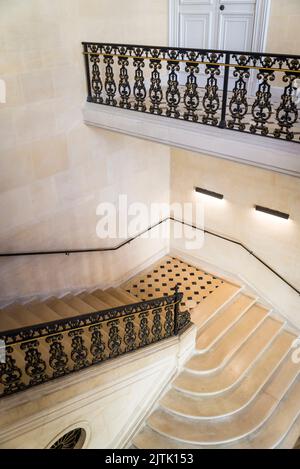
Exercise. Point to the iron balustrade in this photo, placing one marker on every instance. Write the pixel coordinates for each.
(226, 89)
(43, 352)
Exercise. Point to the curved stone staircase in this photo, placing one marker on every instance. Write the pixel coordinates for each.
(239, 389)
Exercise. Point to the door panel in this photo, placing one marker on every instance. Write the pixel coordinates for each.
(203, 25)
(195, 29)
(236, 25)
(197, 2)
(235, 32)
(197, 23)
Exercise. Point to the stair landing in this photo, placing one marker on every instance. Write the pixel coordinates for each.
(159, 280)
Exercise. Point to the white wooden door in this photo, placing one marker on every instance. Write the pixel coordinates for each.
(214, 24)
(197, 26)
(236, 24)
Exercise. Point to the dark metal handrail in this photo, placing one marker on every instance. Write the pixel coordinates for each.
(186, 50)
(107, 68)
(67, 252)
(128, 241)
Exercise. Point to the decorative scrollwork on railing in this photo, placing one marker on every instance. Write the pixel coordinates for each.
(155, 90)
(262, 106)
(35, 366)
(124, 86)
(222, 101)
(79, 352)
(157, 325)
(110, 84)
(10, 374)
(130, 334)
(184, 320)
(211, 99)
(115, 340)
(173, 94)
(238, 104)
(98, 345)
(42, 352)
(287, 113)
(191, 97)
(96, 82)
(169, 321)
(139, 89)
(58, 358)
(144, 332)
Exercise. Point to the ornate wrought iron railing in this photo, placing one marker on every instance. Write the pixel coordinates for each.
(228, 89)
(43, 352)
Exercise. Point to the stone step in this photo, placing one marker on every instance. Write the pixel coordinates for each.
(241, 362)
(8, 321)
(77, 303)
(234, 401)
(122, 295)
(277, 431)
(206, 310)
(93, 301)
(149, 439)
(61, 307)
(225, 349)
(107, 298)
(42, 312)
(233, 428)
(293, 435)
(223, 321)
(280, 431)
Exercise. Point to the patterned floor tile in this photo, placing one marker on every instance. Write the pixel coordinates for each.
(161, 278)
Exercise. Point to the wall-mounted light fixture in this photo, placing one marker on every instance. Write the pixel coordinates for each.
(209, 193)
(269, 211)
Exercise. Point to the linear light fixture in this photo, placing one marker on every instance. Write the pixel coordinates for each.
(209, 193)
(269, 211)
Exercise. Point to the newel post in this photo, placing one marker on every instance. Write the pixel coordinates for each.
(177, 297)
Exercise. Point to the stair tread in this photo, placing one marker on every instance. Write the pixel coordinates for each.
(107, 298)
(221, 353)
(23, 315)
(216, 300)
(286, 418)
(42, 311)
(235, 427)
(122, 295)
(62, 308)
(221, 322)
(240, 396)
(149, 439)
(7, 322)
(93, 301)
(77, 303)
(245, 357)
(271, 434)
(292, 436)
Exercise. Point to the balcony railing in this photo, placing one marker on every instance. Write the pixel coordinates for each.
(246, 92)
(37, 354)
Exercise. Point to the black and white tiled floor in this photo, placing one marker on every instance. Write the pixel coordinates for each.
(161, 278)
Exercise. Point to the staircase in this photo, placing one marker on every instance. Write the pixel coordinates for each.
(239, 389)
(36, 312)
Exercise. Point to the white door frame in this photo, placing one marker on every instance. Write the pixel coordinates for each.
(261, 23)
